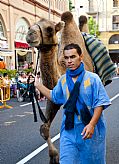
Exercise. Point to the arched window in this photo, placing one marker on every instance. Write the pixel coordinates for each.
(21, 30)
(1, 30)
(114, 39)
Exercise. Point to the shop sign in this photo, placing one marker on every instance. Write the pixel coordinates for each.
(21, 30)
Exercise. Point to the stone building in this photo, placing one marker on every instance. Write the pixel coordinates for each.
(106, 14)
(15, 18)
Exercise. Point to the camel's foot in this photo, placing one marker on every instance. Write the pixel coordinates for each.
(54, 156)
(44, 131)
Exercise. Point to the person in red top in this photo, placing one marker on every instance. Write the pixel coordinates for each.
(2, 64)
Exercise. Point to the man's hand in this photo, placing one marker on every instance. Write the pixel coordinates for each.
(31, 79)
(88, 131)
(34, 79)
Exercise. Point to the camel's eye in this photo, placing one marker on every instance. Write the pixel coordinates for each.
(49, 29)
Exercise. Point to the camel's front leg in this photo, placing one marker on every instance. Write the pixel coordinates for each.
(53, 152)
(51, 111)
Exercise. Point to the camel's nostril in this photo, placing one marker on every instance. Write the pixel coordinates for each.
(28, 40)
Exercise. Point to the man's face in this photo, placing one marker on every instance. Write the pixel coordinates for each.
(72, 59)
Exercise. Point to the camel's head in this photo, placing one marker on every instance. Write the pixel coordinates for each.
(43, 33)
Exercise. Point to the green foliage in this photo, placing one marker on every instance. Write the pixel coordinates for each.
(27, 71)
(93, 27)
(70, 5)
(11, 73)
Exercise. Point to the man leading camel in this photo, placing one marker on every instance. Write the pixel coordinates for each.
(82, 140)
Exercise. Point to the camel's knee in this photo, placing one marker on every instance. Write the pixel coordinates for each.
(44, 131)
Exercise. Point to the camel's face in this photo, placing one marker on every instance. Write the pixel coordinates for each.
(43, 32)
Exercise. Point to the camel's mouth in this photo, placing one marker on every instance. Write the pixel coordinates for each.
(32, 43)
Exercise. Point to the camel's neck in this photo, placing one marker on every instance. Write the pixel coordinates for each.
(49, 67)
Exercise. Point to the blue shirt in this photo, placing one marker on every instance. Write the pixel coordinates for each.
(92, 93)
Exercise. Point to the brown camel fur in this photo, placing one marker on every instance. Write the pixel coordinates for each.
(43, 35)
(71, 34)
(83, 24)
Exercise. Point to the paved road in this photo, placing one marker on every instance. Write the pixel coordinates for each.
(19, 135)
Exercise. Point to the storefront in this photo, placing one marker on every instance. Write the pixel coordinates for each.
(22, 53)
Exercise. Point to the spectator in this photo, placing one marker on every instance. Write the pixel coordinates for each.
(31, 66)
(2, 64)
(12, 67)
(6, 84)
(22, 80)
(6, 80)
(25, 65)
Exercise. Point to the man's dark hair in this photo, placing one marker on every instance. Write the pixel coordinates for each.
(73, 46)
(1, 59)
(5, 74)
(38, 73)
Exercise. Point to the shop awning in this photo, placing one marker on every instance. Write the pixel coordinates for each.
(6, 52)
(21, 45)
(21, 53)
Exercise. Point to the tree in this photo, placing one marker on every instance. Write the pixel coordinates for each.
(70, 5)
(93, 27)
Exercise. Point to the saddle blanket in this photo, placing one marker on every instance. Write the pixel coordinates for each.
(103, 64)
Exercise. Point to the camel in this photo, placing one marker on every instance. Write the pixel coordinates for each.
(43, 35)
(72, 34)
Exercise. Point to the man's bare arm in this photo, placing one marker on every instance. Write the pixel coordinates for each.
(89, 129)
(45, 91)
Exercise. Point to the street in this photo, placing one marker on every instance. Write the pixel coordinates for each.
(20, 140)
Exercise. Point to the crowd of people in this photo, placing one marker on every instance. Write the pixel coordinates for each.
(21, 82)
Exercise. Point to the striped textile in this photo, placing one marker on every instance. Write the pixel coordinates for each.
(103, 64)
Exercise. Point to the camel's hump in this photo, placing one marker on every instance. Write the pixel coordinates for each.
(67, 16)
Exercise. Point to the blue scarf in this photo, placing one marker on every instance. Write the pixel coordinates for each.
(70, 105)
(80, 71)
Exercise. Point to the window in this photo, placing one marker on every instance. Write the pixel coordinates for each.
(115, 3)
(91, 6)
(1, 30)
(115, 22)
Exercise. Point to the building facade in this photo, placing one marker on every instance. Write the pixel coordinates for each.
(15, 18)
(106, 14)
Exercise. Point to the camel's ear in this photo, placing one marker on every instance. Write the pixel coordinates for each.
(59, 26)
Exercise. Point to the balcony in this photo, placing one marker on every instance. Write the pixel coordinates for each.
(92, 11)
